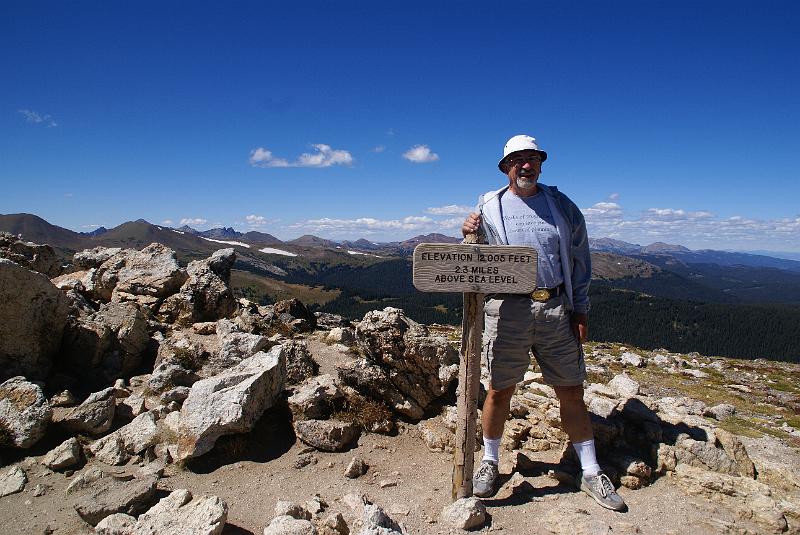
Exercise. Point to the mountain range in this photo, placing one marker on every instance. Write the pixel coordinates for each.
(658, 295)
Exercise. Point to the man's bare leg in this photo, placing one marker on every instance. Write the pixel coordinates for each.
(574, 415)
(495, 411)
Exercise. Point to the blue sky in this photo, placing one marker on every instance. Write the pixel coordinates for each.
(664, 121)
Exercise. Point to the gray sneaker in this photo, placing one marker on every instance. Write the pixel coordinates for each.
(484, 479)
(601, 489)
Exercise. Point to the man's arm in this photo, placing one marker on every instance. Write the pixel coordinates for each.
(581, 273)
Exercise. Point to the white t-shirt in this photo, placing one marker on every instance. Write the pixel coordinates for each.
(528, 221)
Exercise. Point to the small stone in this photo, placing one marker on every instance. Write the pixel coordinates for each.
(334, 524)
(632, 359)
(39, 490)
(12, 481)
(66, 455)
(304, 460)
(286, 525)
(356, 468)
(385, 483)
(465, 513)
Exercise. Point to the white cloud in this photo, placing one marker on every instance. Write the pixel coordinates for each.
(167, 222)
(193, 221)
(90, 226)
(261, 157)
(450, 209)
(420, 154)
(379, 148)
(256, 220)
(38, 118)
(695, 229)
(613, 196)
(324, 156)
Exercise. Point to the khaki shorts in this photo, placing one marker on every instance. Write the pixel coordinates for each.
(517, 325)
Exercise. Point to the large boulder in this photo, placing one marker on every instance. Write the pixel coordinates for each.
(112, 494)
(107, 344)
(231, 402)
(94, 416)
(403, 364)
(299, 363)
(131, 439)
(152, 273)
(206, 295)
(295, 315)
(40, 258)
(24, 413)
(175, 513)
(326, 435)
(33, 314)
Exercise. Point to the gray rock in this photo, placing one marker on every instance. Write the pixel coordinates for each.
(299, 364)
(624, 386)
(340, 335)
(33, 314)
(131, 439)
(316, 398)
(24, 413)
(235, 346)
(206, 295)
(179, 393)
(12, 481)
(39, 258)
(720, 411)
(64, 398)
(404, 364)
(84, 480)
(334, 524)
(286, 508)
(94, 258)
(179, 513)
(465, 513)
(356, 468)
(375, 521)
(116, 524)
(632, 359)
(326, 435)
(109, 343)
(231, 402)
(152, 272)
(66, 455)
(295, 315)
(108, 495)
(286, 525)
(748, 498)
(94, 416)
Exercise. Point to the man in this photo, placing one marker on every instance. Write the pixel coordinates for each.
(551, 322)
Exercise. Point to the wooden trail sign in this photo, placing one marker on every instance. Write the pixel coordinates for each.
(475, 270)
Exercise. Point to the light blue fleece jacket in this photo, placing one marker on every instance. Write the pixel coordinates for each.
(576, 263)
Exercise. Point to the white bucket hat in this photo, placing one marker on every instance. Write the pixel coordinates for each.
(518, 143)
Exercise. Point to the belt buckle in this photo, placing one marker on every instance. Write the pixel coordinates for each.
(541, 295)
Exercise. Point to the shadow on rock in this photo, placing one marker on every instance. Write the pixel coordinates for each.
(271, 437)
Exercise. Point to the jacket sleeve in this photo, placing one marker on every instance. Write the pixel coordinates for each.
(581, 259)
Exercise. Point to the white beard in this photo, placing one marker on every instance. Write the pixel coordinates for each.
(526, 182)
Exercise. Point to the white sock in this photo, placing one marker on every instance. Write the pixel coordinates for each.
(588, 457)
(491, 449)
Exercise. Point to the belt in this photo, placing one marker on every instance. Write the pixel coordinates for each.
(540, 295)
(543, 295)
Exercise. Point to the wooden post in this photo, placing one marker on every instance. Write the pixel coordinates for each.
(474, 270)
(469, 374)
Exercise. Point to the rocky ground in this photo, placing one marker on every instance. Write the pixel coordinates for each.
(138, 396)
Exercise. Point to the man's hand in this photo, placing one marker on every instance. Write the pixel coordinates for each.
(471, 224)
(580, 326)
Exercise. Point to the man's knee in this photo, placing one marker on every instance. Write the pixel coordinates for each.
(500, 397)
(569, 393)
